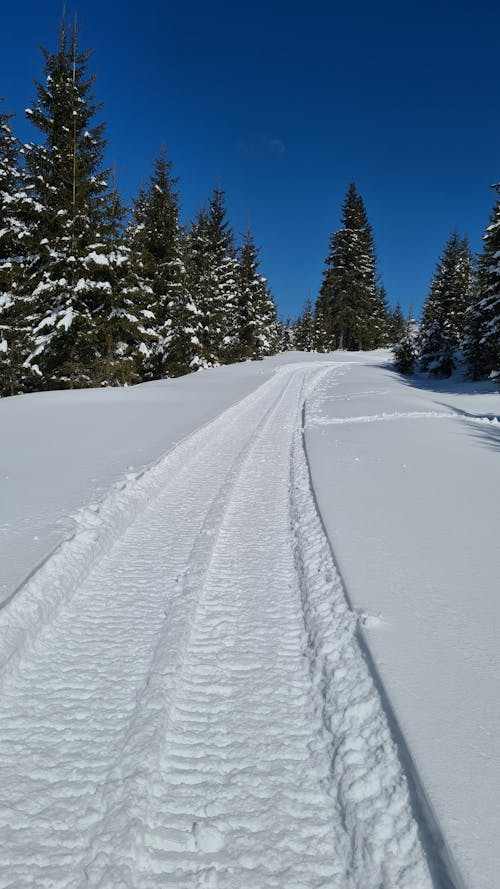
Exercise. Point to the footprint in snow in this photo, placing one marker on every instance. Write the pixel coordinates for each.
(207, 837)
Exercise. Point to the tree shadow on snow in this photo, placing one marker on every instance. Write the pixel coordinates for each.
(454, 385)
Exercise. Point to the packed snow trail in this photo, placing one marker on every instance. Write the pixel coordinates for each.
(198, 713)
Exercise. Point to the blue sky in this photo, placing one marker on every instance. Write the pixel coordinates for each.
(285, 106)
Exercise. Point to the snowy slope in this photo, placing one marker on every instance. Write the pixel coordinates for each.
(172, 721)
(60, 451)
(407, 480)
(185, 698)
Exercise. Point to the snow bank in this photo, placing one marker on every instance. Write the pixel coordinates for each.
(406, 474)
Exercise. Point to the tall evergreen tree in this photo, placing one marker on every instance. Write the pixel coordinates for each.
(258, 329)
(223, 267)
(482, 335)
(349, 300)
(396, 324)
(120, 335)
(170, 317)
(15, 207)
(213, 280)
(443, 317)
(406, 350)
(64, 280)
(379, 321)
(304, 338)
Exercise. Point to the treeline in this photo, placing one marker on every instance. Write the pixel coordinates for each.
(460, 324)
(92, 294)
(351, 310)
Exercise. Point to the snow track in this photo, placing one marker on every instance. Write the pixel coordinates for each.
(197, 712)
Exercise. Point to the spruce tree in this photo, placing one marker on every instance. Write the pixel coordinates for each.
(349, 301)
(258, 329)
(305, 329)
(287, 335)
(443, 317)
(380, 323)
(406, 350)
(119, 331)
(64, 280)
(169, 314)
(15, 207)
(482, 335)
(223, 266)
(213, 281)
(396, 324)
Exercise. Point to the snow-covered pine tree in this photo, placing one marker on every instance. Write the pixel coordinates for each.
(405, 351)
(323, 328)
(212, 270)
(222, 308)
(14, 209)
(287, 335)
(443, 317)
(120, 336)
(380, 319)
(258, 328)
(170, 316)
(396, 324)
(304, 329)
(482, 334)
(348, 298)
(65, 281)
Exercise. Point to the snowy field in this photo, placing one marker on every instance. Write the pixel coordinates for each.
(194, 692)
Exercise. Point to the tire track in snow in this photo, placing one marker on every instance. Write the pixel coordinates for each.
(365, 777)
(190, 718)
(98, 526)
(238, 800)
(152, 711)
(69, 698)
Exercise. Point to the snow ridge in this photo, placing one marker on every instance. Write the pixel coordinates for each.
(365, 778)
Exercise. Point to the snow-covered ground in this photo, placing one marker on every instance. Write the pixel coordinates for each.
(407, 478)
(60, 451)
(190, 696)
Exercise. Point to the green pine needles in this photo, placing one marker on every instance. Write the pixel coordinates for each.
(92, 294)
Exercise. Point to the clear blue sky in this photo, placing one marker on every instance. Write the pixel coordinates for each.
(285, 103)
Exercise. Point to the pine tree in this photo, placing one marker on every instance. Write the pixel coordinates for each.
(305, 329)
(287, 335)
(14, 203)
(482, 335)
(258, 329)
(406, 351)
(120, 335)
(213, 281)
(396, 324)
(223, 265)
(64, 280)
(169, 314)
(349, 301)
(443, 318)
(380, 319)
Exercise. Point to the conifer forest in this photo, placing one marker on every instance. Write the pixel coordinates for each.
(95, 293)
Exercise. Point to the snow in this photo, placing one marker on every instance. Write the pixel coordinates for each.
(96, 259)
(195, 691)
(61, 451)
(405, 476)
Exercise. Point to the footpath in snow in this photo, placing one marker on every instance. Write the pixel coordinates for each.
(197, 711)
